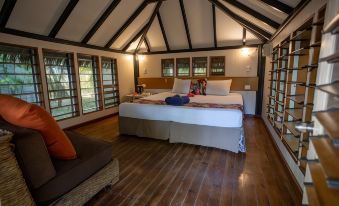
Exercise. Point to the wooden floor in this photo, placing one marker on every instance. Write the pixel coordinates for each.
(154, 172)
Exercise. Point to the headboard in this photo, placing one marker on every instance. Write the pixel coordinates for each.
(238, 83)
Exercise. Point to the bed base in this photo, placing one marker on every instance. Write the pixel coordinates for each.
(217, 137)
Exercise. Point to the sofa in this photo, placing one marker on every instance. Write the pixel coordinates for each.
(63, 182)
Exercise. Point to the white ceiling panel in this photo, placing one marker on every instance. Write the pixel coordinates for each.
(82, 18)
(229, 32)
(116, 19)
(292, 3)
(174, 24)
(154, 35)
(134, 27)
(36, 16)
(134, 45)
(250, 18)
(265, 10)
(200, 22)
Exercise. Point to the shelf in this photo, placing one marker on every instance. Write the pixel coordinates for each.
(299, 98)
(278, 124)
(327, 152)
(300, 52)
(334, 58)
(332, 26)
(298, 83)
(280, 114)
(291, 127)
(295, 113)
(329, 120)
(326, 195)
(316, 44)
(332, 88)
(292, 142)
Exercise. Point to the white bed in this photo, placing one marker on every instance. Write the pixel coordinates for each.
(218, 126)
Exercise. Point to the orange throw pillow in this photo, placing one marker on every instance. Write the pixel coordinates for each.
(23, 114)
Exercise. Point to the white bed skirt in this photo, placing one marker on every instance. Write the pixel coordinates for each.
(227, 138)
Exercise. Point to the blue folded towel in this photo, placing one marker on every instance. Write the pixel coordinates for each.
(177, 100)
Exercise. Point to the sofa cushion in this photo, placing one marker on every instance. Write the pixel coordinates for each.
(23, 114)
(93, 154)
(31, 154)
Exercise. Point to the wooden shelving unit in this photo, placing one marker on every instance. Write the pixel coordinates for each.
(293, 76)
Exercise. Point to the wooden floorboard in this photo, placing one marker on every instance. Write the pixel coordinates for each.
(155, 172)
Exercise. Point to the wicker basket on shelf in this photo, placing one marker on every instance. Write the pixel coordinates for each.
(13, 188)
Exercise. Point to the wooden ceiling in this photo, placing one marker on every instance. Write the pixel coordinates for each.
(147, 26)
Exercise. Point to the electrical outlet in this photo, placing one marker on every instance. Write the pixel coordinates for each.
(247, 87)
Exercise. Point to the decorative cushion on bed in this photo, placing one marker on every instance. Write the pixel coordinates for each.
(23, 114)
(181, 86)
(198, 86)
(218, 87)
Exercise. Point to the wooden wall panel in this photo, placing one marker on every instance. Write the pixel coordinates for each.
(238, 83)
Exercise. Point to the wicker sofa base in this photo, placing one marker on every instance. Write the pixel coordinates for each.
(86, 190)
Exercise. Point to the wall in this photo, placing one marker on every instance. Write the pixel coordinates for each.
(237, 65)
(124, 62)
(301, 18)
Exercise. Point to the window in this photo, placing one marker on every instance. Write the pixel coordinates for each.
(199, 65)
(183, 67)
(217, 66)
(110, 82)
(89, 83)
(19, 74)
(61, 84)
(167, 67)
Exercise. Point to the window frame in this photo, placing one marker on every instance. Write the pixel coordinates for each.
(163, 65)
(177, 67)
(193, 69)
(211, 65)
(36, 73)
(115, 62)
(97, 76)
(73, 85)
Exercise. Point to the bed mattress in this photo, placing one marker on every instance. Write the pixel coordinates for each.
(218, 117)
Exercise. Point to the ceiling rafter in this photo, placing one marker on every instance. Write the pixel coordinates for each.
(101, 20)
(163, 31)
(243, 36)
(257, 31)
(214, 27)
(254, 13)
(127, 23)
(155, 11)
(279, 6)
(62, 19)
(183, 12)
(136, 37)
(6, 11)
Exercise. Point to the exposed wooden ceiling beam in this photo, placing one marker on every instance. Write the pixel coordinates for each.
(279, 6)
(257, 31)
(199, 49)
(136, 37)
(163, 31)
(151, 19)
(101, 20)
(214, 27)
(127, 23)
(6, 11)
(183, 12)
(62, 19)
(254, 13)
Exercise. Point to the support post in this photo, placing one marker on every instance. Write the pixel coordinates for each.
(261, 75)
(136, 71)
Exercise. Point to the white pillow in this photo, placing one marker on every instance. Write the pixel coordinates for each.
(218, 87)
(181, 86)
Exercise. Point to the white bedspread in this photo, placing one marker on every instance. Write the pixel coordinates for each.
(190, 115)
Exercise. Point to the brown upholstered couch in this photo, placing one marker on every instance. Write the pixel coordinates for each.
(57, 182)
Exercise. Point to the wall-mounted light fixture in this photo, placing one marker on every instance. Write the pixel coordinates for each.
(141, 57)
(245, 51)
